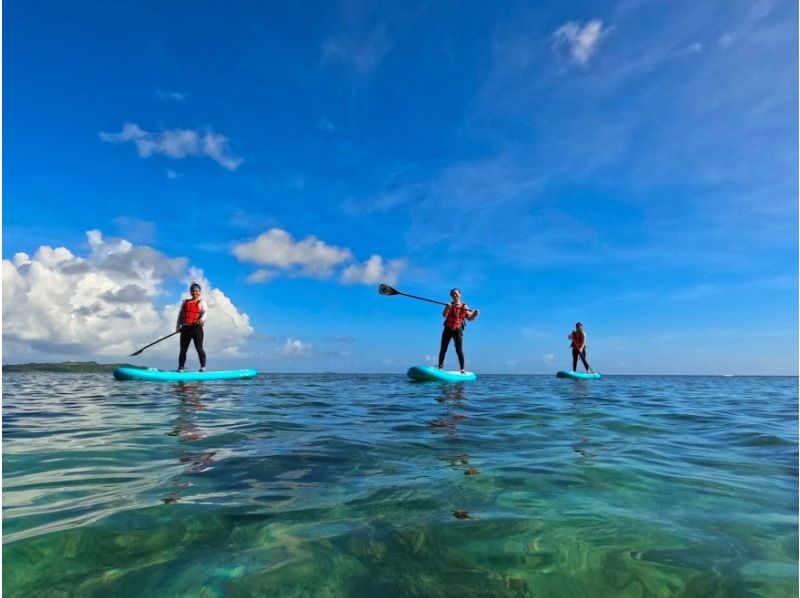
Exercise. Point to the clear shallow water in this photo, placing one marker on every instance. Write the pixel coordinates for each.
(377, 486)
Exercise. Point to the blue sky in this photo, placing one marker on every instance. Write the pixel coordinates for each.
(630, 164)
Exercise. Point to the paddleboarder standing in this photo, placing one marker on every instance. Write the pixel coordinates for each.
(578, 343)
(191, 318)
(455, 314)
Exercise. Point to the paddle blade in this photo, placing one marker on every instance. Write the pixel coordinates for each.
(385, 289)
(135, 354)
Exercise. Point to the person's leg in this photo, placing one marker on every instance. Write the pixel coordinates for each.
(198, 344)
(446, 335)
(186, 338)
(458, 340)
(574, 359)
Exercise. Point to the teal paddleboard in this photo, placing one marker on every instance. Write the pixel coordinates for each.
(153, 375)
(578, 375)
(426, 372)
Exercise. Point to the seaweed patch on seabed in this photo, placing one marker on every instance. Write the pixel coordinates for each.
(458, 514)
(419, 557)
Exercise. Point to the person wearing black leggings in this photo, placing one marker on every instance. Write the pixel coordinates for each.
(454, 314)
(578, 344)
(191, 318)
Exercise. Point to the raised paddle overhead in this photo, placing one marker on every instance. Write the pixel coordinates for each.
(385, 289)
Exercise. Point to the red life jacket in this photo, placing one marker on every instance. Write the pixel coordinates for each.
(578, 338)
(190, 311)
(456, 316)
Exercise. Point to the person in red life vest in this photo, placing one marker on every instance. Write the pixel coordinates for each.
(454, 314)
(578, 343)
(191, 318)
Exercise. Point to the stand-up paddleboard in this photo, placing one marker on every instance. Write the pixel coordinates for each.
(153, 375)
(426, 372)
(578, 375)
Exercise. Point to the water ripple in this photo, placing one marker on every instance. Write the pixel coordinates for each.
(356, 485)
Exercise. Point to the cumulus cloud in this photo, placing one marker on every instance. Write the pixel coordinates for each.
(580, 42)
(374, 270)
(177, 143)
(277, 248)
(312, 257)
(294, 347)
(58, 304)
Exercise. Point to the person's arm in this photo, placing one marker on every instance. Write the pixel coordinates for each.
(446, 310)
(471, 313)
(180, 316)
(583, 343)
(203, 310)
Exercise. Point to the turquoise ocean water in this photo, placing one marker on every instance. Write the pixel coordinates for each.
(348, 485)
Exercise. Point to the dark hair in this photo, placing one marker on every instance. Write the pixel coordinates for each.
(452, 290)
(195, 285)
(578, 323)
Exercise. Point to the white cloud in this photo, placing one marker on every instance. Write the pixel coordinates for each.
(58, 304)
(324, 124)
(294, 347)
(177, 143)
(581, 42)
(725, 41)
(176, 96)
(691, 49)
(361, 54)
(262, 275)
(312, 257)
(373, 270)
(277, 248)
(142, 231)
(549, 358)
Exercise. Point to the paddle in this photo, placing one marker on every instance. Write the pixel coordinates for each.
(385, 289)
(163, 338)
(154, 343)
(586, 362)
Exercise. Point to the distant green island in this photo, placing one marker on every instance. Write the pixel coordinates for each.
(80, 367)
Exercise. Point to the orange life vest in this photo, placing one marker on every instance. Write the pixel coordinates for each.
(190, 312)
(456, 316)
(578, 338)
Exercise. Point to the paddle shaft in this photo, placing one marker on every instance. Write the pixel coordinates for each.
(385, 289)
(155, 343)
(421, 298)
(163, 338)
(582, 354)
